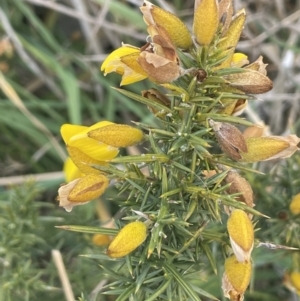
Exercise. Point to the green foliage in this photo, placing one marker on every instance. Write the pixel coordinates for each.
(27, 236)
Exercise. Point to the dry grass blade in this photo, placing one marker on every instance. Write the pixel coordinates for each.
(14, 98)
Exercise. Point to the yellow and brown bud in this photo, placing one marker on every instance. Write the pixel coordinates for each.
(230, 139)
(127, 240)
(239, 185)
(117, 135)
(241, 235)
(206, 21)
(236, 278)
(295, 204)
(176, 29)
(270, 147)
(81, 191)
(157, 97)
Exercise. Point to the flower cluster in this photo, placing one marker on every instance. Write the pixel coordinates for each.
(189, 173)
(89, 147)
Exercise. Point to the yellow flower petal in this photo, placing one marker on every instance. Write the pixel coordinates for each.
(124, 62)
(118, 53)
(206, 21)
(239, 60)
(117, 135)
(127, 240)
(176, 29)
(67, 131)
(71, 171)
(295, 281)
(241, 235)
(236, 278)
(295, 207)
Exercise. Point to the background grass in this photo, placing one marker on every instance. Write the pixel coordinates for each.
(50, 53)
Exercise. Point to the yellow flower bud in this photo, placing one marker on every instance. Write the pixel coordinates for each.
(117, 135)
(81, 191)
(270, 147)
(176, 29)
(206, 21)
(241, 235)
(236, 278)
(127, 240)
(295, 204)
(231, 38)
(101, 239)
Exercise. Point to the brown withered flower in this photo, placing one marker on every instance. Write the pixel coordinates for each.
(230, 139)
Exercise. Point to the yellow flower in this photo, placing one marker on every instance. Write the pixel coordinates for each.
(127, 240)
(292, 281)
(76, 136)
(295, 204)
(176, 29)
(71, 171)
(81, 191)
(236, 278)
(241, 235)
(124, 61)
(206, 21)
(101, 239)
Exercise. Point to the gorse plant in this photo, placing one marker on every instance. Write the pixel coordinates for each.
(178, 193)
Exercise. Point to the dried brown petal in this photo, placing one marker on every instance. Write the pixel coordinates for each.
(157, 97)
(258, 65)
(254, 131)
(225, 14)
(159, 69)
(230, 139)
